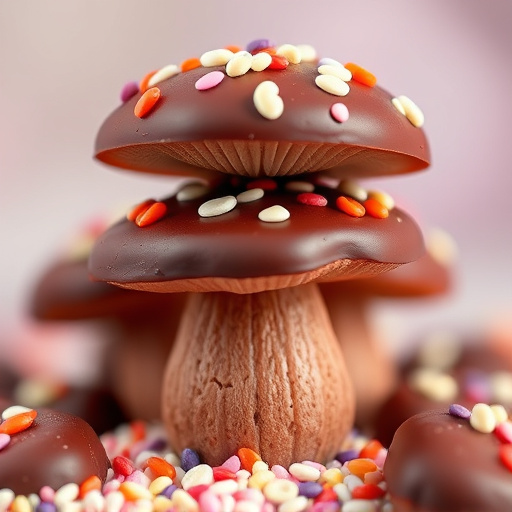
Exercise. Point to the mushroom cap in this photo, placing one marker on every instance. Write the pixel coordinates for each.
(238, 252)
(195, 132)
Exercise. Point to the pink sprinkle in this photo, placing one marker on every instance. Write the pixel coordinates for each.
(312, 199)
(280, 472)
(233, 464)
(339, 112)
(129, 90)
(138, 477)
(5, 439)
(504, 432)
(380, 458)
(47, 494)
(209, 502)
(310, 463)
(249, 494)
(210, 80)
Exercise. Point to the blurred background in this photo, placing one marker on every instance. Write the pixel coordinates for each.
(62, 66)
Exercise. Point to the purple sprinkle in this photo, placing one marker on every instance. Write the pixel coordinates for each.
(157, 444)
(310, 489)
(168, 491)
(129, 90)
(347, 455)
(189, 459)
(460, 411)
(5, 439)
(259, 44)
(45, 506)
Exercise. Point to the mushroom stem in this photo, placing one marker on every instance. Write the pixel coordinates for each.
(263, 371)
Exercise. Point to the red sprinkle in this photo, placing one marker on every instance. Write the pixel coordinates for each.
(350, 206)
(265, 184)
(247, 458)
(376, 209)
(220, 473)
(160, 467)
(506, 455)
(312, 199)
(138, 429)
(371, 449)
(327, 494)
(503, 432)
(122, 466)
(367, 492)
(197, 490)
(18, 423)
(146, 102)
(154, 213)
(138, 209)
(278, 62)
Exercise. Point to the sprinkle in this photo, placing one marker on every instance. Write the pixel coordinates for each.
(147, 102)
(160, 467)
(368, 492)
(189, 459)
(5, 439)
(459, 411)
(6, 498)
(128, 91)
(209, 502)
(138, 209)
(361, 75)
(500, 413)
(501, 387)
(307, 52)
(228, 486)
(260, 479)
(163, 74)
(232, 464)
(259, 465)
(261, 61)
(311, 199)
(375, 209)
(114, 501)
(192, 191)
(250, 195)
(267, 100)
(339, 112)
(352, 481)
(247, 458)
(359, 467)
(371, 449)
(411, 111)
(310, 489)
(218, 206)
(122, 466)
(18, 422)
(209, 80)
(21, 504)
(278, 62)
(505, 453)
(339, 71)
(258, 44)
(240, 64)
(297, 504)
(347, 455)
(503, 432)
(304, 473)
(433, 384)
(353, 189)
(398, 105)
(152, 214)
(133, 491)
(276, 213)
(331, 477)
(290, 52)
(278, 491)
(359, 506)
(383, 198)
(332, 85)
(233, 48)
(159, 485)
(216, 57)
(66, 494)
(14, 410)
(221, 473)
(482, 419)
(143, 84)
(189, 64)
(201, 474)
(88, 485)
(299, 186)
(350, 206)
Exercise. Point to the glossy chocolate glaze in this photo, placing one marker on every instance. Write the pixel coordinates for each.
(57, 449)
(439, 463)
(376, 139)
(237, 244)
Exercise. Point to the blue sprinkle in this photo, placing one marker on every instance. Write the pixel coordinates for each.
(189, 459)
(310, 489)
(347, 455)
(44, 506)
(460, 411)
(169, 491)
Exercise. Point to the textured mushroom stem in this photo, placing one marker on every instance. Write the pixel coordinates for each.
(370, 366)
(263, 371)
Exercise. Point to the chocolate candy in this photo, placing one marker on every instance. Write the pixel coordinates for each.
(57, 449)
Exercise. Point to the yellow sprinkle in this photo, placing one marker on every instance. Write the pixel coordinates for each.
(133, 491)
(260, 479)
(331, 476)
(159, 484)
(259, 465)
(184, 502)
(162, 504)
(500, 413)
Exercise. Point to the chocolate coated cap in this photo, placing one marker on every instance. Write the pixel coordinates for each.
(220, 129)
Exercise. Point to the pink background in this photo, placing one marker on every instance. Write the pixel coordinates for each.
(62, 66)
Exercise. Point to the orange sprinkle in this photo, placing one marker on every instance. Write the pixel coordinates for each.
(247, 458)
(146, 102)
(18, 423)
(376, 209)
(138, 209)
(143, 84)
(371, 449)
(189, 64)
(270, 50)
(361, 75)
(154, 213)
(360, 467)
(160, 467)
(350, 206)
(93, 483)
(233, 48)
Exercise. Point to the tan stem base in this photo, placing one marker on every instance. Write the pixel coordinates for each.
(262, 371)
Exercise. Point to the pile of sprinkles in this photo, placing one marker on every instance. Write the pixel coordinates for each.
(354, 200)
(146, 475)
(333, 78)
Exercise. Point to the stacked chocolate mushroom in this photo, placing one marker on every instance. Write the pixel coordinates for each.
(278, 138)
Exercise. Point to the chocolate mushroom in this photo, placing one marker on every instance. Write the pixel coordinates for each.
(255, 362)
(138, 326)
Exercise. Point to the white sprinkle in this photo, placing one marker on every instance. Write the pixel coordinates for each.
(383, 198)
(224, 487)
(482, 418)
(280, 490)
(307, 52)
(353, 189)
(6, 498)
(352, 481)
(198, 475)
(274, 213)
(332, 85)
(163, 74)
(259, 465)
(501, 387)
(66, 493)
(250, 195)
(184, 502)
(217, 206)
(291, 52)
(247, 506)
(412, 111)
(359, 506)
(299, 186)
(94, 501)
(114, 501)
(500, 413)
(398, 105)
(342, 492)
(330, 62)
(192, 191)
(239, 64)
(339, 71)
(304, 473)
(433, 384)
(218, 57)
(261, 61)
(14, 410)
(297, 504)
(267, 100)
